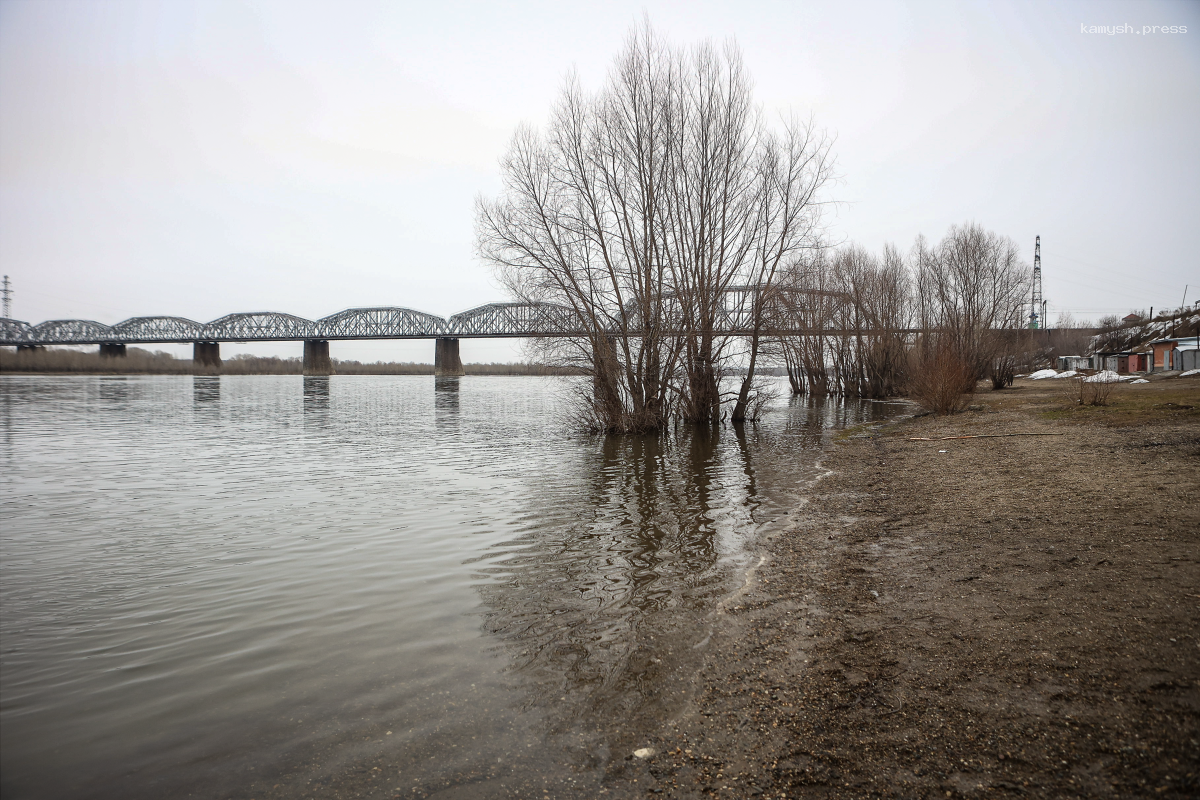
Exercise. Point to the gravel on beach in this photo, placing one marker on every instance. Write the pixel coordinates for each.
(989, 617)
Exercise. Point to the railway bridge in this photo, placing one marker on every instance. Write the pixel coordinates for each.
(493, 320)
(490, 321)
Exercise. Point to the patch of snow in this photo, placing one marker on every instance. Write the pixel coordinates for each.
(1103, 376)
(1189, 372)
(1143, 380)
(1068, 374)
(1042, 373)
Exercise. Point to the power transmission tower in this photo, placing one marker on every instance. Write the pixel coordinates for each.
(1037, 308)
(7, 302)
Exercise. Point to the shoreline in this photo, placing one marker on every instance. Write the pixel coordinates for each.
(965, 618)
(1008, 617)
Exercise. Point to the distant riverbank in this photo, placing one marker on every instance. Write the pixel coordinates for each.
(144, 362)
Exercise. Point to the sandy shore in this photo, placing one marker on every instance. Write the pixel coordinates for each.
(985, 617)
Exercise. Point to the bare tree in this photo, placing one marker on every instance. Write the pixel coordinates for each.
(643, 209)
(1115, 334)
(712, 220)
(792, 169)
(878, 312)
(846, 322)
(807, 300)
(581, 224)
(1072, 336)
(971, 286)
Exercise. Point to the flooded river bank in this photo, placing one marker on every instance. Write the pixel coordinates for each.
(282, 586)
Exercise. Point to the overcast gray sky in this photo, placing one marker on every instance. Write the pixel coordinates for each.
(200, 158)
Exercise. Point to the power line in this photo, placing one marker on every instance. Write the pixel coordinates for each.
(1140, 282)
(72, 301)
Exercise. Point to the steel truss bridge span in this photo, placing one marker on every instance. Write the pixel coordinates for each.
(493, 320)
(498, 320)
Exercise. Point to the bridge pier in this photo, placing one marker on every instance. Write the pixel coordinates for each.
(316, 357)
(112, 350)
(206, 356)
(446, 362)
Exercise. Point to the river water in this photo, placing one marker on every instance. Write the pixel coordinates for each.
(377, 586)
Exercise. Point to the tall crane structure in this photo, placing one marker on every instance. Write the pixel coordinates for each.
(1037, 308)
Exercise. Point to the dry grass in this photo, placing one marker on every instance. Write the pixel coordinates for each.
(1082, 392)
(1161, 399)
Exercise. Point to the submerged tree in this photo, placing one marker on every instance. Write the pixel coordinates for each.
(644, 208)
(845, 328)
(860, 325)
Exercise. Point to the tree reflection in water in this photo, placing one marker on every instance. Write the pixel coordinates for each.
(605, 597)
(606, 600)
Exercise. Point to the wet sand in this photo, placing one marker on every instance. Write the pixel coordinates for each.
(984, 617)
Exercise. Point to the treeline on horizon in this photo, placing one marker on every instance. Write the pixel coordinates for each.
(140, 361)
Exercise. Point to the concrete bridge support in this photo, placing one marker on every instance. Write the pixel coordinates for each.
(316, 357)
(206, 356)
(112, 350)
(446, 362)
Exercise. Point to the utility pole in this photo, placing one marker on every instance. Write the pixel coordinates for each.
(8, 303)
(1037, 308)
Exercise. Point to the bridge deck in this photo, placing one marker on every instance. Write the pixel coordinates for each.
(494, 320)
(491, 321)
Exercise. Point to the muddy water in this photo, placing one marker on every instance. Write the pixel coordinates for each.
(280, 586)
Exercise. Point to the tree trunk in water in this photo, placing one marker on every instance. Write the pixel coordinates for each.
(743, 401)
(705, 394)
(608, 407)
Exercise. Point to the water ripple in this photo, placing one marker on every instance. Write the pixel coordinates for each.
(228, 584)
